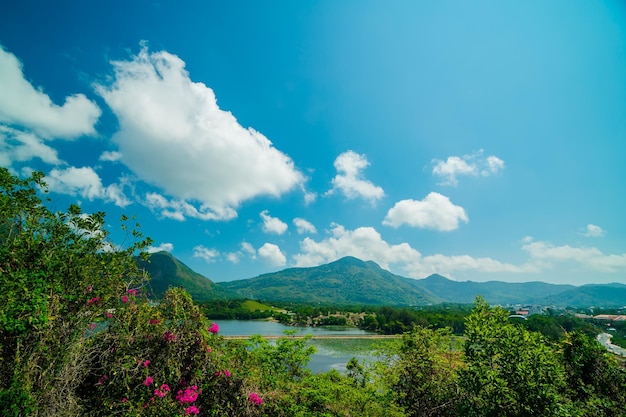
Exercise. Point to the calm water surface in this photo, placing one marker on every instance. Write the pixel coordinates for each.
(324, 360)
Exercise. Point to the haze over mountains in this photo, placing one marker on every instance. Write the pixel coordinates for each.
(352, 281)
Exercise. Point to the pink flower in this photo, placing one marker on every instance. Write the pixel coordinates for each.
(169, 336)
(88, 289)
(132, 292)
(189, 395)
(102, 379)
(255, 399)
(192, 410)
(155, 321)
(214, 328)
(92, 326)
(124, 399)
(148, 381)
(162, 391)
(124, 298)
(146, 363)
(208, 350)
(227, 373)
(93, 300)
(109, 315)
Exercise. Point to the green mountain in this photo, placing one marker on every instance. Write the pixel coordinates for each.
(494, 292)
(167, 271)
(346, 281)
(598, 295)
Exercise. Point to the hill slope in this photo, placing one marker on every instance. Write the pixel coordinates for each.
(167, 271)
(494, 292)
(346, 281)
(598, 295)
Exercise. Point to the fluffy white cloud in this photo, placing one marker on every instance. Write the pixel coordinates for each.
(23, 105)
(168, 247)
(545, 255)
(86, 183)
(205, 253)
(110, 156)
(173, 135)
(349, 179)
(304, 226)
(435, 211)
(272, 254)
(180, 209)
(593, 230)
(474, 164)
(273, 224)
(17, 145)
(364, 243)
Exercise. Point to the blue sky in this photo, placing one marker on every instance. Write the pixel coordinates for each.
(481, 140)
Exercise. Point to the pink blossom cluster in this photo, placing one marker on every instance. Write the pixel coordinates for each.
(192, 410)
(189, 395)
(214, 328)
(124, 298)
(255, 399)
(225, 372)
(93, 300)
(169, 336)
(162, 390)
(148, 381)
(155, 321)
(146, 363)
(132, 292)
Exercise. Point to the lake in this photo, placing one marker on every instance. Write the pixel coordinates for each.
(328, 356)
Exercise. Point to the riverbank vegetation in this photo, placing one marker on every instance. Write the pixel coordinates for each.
(80, 336)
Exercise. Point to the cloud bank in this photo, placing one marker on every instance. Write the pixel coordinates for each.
(24, 105)
(173, 135)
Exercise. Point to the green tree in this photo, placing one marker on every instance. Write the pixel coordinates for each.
(421, 369)
(54, 268)
(509, 371)
(596, 382)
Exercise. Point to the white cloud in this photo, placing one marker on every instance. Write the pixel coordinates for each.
(86, 183)
(180, 209)
(449, 265)
(205, 253)
(474, 165)
(273, 224)
(17, 145)
(435, 211)
(110, 156)
(198, 153)
(167, 247)
(272, 254)
(364, 243)
(304, 226)
(248, 249)
(546, 255)
(593, 231)
(349, 179)
(23, 105)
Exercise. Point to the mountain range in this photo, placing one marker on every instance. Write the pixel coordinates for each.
(353, 281)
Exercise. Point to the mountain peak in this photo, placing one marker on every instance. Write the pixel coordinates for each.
(349, 261)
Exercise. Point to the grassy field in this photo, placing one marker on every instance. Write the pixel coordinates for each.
(252, 305)
(352, 346)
